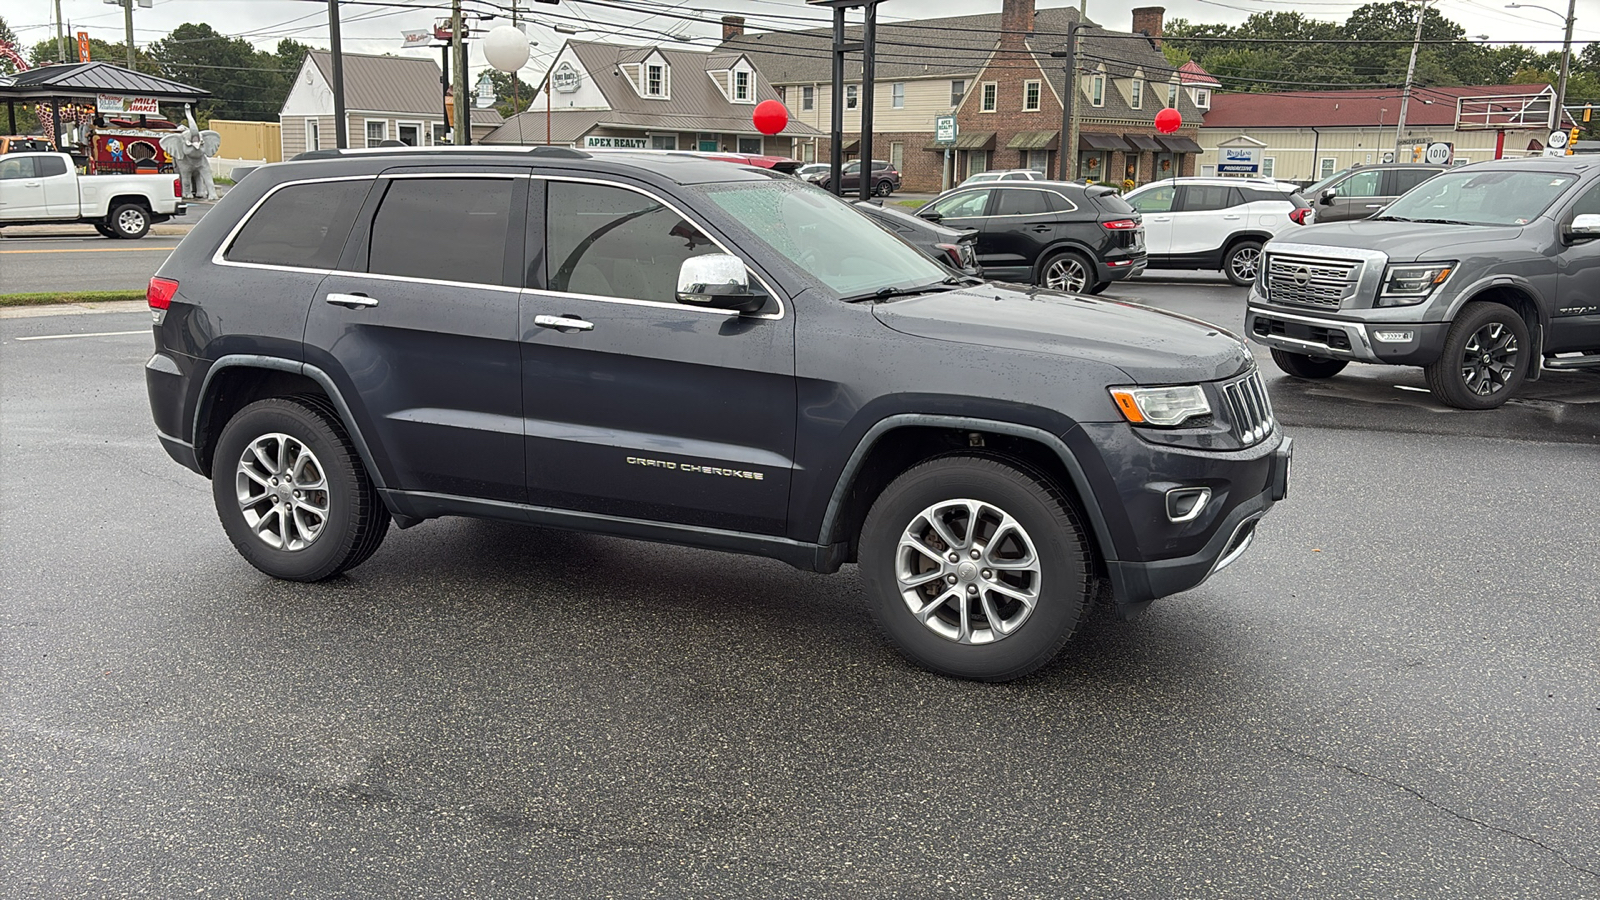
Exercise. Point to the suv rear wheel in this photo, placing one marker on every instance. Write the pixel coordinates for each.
(975, 568)
(292, 494)
(1241, 262)
(1301, 366)
(1484, 360)
(885, 188)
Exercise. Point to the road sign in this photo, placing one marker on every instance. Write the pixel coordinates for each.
(944, 130)
(1556, 144)
(1438, 154)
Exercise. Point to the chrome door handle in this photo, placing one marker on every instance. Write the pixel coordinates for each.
(1231, 218)
(563, 323)
(352, 301)
(1374, 206)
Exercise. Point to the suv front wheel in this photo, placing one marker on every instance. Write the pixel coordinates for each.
(292, 493)
(1484, 360)
(1241, 262)
(975, 568)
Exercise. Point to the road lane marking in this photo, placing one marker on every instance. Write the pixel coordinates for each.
(57, 337)
(99, 250)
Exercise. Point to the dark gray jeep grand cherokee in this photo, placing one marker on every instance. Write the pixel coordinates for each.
(674, 349)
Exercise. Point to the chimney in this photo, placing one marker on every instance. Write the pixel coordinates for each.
(1147, 20)
(733, 26)
(1016, 22)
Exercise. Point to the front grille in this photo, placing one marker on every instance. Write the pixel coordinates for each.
(1306, 281)
(1249, 410)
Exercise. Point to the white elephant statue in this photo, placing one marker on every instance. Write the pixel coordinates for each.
(191, 150)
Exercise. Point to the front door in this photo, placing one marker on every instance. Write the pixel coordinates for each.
(1156, 203)
(637, 406)
(1576, 324)
(60, 187)
(1359, 195)
(420, 332)
(21, 189)
(965, 209)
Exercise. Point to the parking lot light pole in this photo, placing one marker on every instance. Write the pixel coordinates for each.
(1566, 55)
(341, 125)
(1067, 164)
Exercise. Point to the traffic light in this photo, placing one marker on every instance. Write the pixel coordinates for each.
(1572, 140)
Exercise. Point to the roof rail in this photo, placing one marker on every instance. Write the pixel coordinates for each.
(550, 152)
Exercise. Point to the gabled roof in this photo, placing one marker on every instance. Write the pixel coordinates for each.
(1369, 107)
(1191, 73)
(87, 79)
(406, 85)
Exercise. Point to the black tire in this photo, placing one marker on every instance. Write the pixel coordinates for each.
(129, 221)
(1485, 358)
(1099, 287)
(1068, 258)
(1241, 261)
(1061, 583)
(1302, 366)
(105, 230)
(355, 521)
(885, 188)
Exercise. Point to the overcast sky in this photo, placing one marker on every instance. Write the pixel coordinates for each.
(374, 26)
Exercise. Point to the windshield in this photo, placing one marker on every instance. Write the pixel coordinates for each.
(1481, 198)
(826, 237)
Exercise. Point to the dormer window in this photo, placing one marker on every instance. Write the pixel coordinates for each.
(655, 81)
(1202, 98)
(1136, 94)
(1172, 94)
(1097, 90)
(741, 85)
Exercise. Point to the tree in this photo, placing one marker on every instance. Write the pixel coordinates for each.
(245, 83)
(504, 99)
(48, 53)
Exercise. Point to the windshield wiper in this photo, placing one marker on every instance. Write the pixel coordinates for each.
(1444, 222)
(887, 293)
(1392, 219)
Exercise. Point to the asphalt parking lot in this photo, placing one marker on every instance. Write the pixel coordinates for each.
(1395, 693)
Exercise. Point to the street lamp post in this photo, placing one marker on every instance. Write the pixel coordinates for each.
(1566, 54)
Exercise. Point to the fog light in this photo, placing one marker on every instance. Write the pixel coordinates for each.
(1186, 504)
(1393, 337)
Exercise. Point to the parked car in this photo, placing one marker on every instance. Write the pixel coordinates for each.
(1066, 236)
(1485, 276)
(23, 143)
(885, 178)
(1005, 175)
(666, 348)
(807, 171)
(1215, 224)
(956, 248)
(45, 189)
(1360, 191)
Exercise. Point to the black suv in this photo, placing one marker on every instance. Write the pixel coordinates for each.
(681, 350)
(1062, 235)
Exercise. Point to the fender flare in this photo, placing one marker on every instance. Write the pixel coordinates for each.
(1080, 482)
(1517, 282)
(202, 406)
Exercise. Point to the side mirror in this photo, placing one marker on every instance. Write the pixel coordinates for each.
(1327, 196)
(1584, 227)
(718, 281)
(930, 215)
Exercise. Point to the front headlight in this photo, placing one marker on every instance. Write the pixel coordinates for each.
(1161, 405)
(1406, 285)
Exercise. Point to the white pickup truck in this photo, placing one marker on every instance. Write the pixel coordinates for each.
(46, 189)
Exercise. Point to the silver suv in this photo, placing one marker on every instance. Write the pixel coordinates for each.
(1485, 276)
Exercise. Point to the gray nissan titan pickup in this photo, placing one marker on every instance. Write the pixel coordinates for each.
(674, 349)
(1485, 276)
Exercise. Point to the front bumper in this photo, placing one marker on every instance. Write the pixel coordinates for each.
(1312, 334)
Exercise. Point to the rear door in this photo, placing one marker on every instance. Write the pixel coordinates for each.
(638, 406)
(1397, 181)
(1022, 225)
(419, 331)
(21, 189)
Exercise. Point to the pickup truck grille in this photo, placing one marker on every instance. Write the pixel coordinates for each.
(1304, 281)
(1248, 408)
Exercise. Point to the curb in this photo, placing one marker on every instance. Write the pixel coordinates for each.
(85, 231)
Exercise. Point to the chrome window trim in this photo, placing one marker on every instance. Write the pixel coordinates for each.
(1073, 207)
(687, 218)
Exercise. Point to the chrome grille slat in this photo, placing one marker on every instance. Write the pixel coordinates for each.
(1249, 409)
(1328, 282)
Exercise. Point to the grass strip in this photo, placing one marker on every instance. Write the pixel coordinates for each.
(911, 204)
(48, 298)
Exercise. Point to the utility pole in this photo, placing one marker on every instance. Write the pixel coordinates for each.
(1566, 63)
(869, 31)
(1067, 165)
(1411, 71)
(61, 36)
(463, 127)
(127, 18)
(341, 123)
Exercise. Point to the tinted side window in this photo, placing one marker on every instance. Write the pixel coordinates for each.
(1257, 195)
(1588, 204)
(614, 242)
(447, 229)
(1113, 203)
(1405, 179)
(1021, 202)
(47, 166)
(303, 225)
(1200, 197)
(16, 168)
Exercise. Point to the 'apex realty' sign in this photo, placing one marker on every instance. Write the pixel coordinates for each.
(616, 143)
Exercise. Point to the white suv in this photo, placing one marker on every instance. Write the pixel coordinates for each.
(1005, 175)
(1216, 223)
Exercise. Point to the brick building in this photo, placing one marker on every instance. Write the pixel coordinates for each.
(995, 73)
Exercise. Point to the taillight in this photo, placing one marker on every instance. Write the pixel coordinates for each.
(159, 293)
(1119, 225)
(177, 187)
(1298, 216)
(954, 252)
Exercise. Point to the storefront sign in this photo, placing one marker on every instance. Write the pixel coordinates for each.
(83, 46)
(944, 130)
(565, 78)
(1239, 161)
(120, 104)
(616, 143)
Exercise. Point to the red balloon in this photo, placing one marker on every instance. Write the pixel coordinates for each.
(1168, 120)
(770, 117)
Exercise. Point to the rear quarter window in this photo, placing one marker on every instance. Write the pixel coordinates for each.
(1113, 203)
(303, 225)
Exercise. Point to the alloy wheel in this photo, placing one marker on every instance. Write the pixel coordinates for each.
(1489, 359)
(1244, 263)
(968, 571)
(131, 221)
(1066, 274)
(282, 491)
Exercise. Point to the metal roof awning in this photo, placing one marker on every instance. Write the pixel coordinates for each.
(976, 140)
(86, 80)
(1144, 142)
(1093, 140)
(1180, 144)
(1032, 140)
(849, 145)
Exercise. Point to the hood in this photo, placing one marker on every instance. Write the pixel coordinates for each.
(1405, 241)
(1149, 345)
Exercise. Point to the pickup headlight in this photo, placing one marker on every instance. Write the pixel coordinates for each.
(1407, 285)
(1161, 405)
